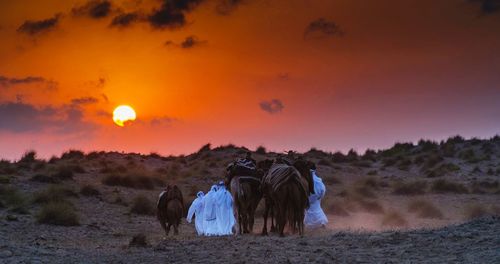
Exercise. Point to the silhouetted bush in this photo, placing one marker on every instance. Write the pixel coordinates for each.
(339, 157)
(39, 177)
(444, 186)
(397, 150)
(324, 162)
(12, 199)
(28, 157)
(409, 188)
(370, 155)
(58, 213)
(142, 205)
(352, 155)
(261, 150)
(72, 154)
(427, 145)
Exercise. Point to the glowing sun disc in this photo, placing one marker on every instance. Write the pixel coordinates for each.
(123, 114)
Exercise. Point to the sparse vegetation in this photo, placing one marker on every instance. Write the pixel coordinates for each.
(89, 190)
(394, 219)
(424, 209)
(138, 240)
(136, 180)
(445, 186)
(72, 154)
(410, 188)
(28, 157)
(142, 205)
(53, 193)
(12, 199)
(58, 213)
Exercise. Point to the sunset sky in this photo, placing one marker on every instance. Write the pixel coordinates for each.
(285, 74)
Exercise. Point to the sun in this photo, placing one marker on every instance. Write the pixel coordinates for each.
(123, 114)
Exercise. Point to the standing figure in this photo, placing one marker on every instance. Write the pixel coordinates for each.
(315, 217)
(196, 209)
(210, 226)
(225, 212)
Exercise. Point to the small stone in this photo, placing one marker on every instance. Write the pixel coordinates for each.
(11, 218)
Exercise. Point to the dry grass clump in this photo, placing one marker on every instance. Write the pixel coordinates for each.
(89, 190)
(58, 213)
(12, 199)
(445, 186)
(366, 187)
(136, 180)
(4, 179)
(409, 188)
(53, 193)
(394, 219)
(424, 209)
(475, 211)
(6, 167)
(73, 154)
(138, 240)
(142, 205)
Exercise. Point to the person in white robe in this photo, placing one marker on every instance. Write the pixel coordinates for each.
(196, 210)
(225, 213)
(210, 226)
(315, 217)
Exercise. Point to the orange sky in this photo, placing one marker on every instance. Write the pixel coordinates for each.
(343, 74)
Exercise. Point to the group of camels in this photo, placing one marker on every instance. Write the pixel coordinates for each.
(284, 185)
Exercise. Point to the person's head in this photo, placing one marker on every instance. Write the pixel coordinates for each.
(249, 155)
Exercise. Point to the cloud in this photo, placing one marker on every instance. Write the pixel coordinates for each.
(95, 9)
(321, 27)
(272, 107)
(32, 27)
(20, 117)
(188, 43)
(6, 81)
(124, 20)
(84, 100)
(172, 14)
(225, 7)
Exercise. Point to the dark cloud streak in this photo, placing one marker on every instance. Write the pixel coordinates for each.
(272, 107)
(322, 27)
(35, 27)
(95, 9)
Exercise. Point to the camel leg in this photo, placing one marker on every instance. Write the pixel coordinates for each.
(239, 222)
(168, 228)
(273, 217)
(251, 220)
(266, 212)
(281, 221)
(176, 229)
(164, 226)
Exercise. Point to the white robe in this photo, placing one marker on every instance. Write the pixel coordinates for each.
(315, 217)
(196, 209)
(225, 213)
(210, 226)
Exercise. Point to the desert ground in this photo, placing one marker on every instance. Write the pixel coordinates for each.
(434, 202)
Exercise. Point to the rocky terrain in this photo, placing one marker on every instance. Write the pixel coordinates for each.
(427, 202)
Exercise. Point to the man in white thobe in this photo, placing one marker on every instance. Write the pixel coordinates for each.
(210, 226)
(225, 213)
(196, 209)
(315, 217)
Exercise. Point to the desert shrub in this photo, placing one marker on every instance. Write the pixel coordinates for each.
(352, 155)
(28, 157)
(58, 213)
(372, 172)
(338, 157)
(455, 140)
(330, 179)
(445, 186)
(138, 240)
(53, 193)
(490, 172)
(484, 186)
(142, 205)
(154, 155)
(394, 219)
(397, 150)
(476, 170)
(419, 159)
(63, 173)
(4, 179)
(39, 177)
(370, 154)
(137, 180)
(391, 161)
(427, 145)
(324, 162)
(7, 167)
(72, 154)
(89, 190)
(404, 164)
(424, 209)
(39, 165)
(432, 161)
(13, 199)
(475, 211)
(448, 149)
(409, 188)
(469, 155)
(442, 170)
(261, 150)
(362, 163)
(119, 200)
